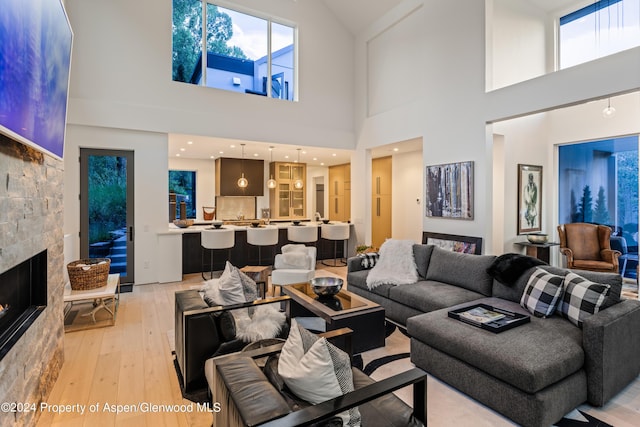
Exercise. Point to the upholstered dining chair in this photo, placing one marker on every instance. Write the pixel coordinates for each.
(587, 247)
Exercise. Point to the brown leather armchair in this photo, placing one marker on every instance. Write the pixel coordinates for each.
(587, 247)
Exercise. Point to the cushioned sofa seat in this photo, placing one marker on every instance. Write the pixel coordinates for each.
(358, 279)
(429, 295)
(529, 357)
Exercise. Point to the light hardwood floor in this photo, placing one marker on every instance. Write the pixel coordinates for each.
(131, 364)
(128, 364)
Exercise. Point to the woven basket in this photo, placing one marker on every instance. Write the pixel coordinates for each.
(88, 273)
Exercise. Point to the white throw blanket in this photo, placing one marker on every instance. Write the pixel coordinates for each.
(396, 265)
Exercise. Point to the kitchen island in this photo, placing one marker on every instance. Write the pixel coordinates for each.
(180, 250)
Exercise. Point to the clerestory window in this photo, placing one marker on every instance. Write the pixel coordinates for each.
(243, 52)
(599, 29)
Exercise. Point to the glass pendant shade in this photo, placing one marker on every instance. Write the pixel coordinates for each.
(298, 184)
(608, 111)
(271, 183)
(242, 182)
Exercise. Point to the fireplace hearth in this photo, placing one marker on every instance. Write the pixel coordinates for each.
(23, 297)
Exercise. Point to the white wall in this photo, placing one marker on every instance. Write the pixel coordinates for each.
(532, 140)
(205, 180)
(150, 189)
(121, 77)
(451, 114)
(518, 42)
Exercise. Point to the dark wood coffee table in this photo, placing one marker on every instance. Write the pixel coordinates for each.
(345, 310)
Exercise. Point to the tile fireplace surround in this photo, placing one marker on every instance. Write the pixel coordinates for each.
(31, 220)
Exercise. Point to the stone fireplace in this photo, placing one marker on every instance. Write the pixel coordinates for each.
(31, 222)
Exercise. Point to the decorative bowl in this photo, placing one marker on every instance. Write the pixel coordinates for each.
(326, 286)
(296, 222)
(325, 221)
(216, 224)
(255, 223)
(537, 238)
(183, 223)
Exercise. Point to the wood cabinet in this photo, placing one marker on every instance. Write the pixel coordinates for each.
(229, 170)
(286, 200)
(340, 192)
(380, 200)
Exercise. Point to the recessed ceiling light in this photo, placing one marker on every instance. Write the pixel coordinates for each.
(334, 154)
(212, 157)
(189, 142)
(315, 158)
(256, 154)
(178, 155)
(183, 149)
(321, 164)
(232, 146)
(396, 149)
(220, 152)
(286, 157)
(304, 152)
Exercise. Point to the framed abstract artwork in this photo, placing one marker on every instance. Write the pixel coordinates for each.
(529, 199)
(450, 191)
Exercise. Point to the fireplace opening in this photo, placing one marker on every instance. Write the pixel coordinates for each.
(23, 297)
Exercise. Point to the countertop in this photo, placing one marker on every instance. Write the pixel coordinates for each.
(204, 225)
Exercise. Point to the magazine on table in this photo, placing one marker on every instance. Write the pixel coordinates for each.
(481, 315)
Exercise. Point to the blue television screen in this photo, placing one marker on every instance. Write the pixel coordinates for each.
(35, 59)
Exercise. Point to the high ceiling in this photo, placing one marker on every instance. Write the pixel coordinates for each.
(355, 15)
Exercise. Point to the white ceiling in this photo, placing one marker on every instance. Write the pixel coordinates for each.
(355, 15)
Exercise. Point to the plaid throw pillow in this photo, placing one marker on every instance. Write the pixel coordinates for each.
(581, 298)
(369, 259)
(542, 293)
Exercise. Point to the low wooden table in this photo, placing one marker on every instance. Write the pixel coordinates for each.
(260, 274)
(345, 310)
(92, 301)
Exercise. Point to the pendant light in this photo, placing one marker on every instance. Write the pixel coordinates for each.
(608, 111)
(271, 183)
(298, 183)
(242, 182)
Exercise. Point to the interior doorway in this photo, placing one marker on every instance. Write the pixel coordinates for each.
(106, 209)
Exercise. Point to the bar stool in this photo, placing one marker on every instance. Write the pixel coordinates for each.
(335, 232)
(262, 236)
(223, 238)
(302, 233)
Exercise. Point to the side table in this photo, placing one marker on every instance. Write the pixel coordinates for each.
(538, 250)
(103, 298)
(260, 274)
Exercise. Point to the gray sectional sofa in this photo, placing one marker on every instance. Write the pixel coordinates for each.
(533, 374)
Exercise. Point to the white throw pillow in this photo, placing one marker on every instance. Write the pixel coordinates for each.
(227, 289)
(316, 371)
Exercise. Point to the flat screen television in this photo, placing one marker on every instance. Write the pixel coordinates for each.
(35, 60)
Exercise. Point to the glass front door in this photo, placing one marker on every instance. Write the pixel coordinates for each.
(106, 208)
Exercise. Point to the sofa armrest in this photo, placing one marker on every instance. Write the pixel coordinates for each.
(196, 334)
(611, 341)
(354, 264)
(322, 411)
(569, 254)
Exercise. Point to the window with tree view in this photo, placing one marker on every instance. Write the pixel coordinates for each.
(183, 185)
(244, 53)
(598, 183)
